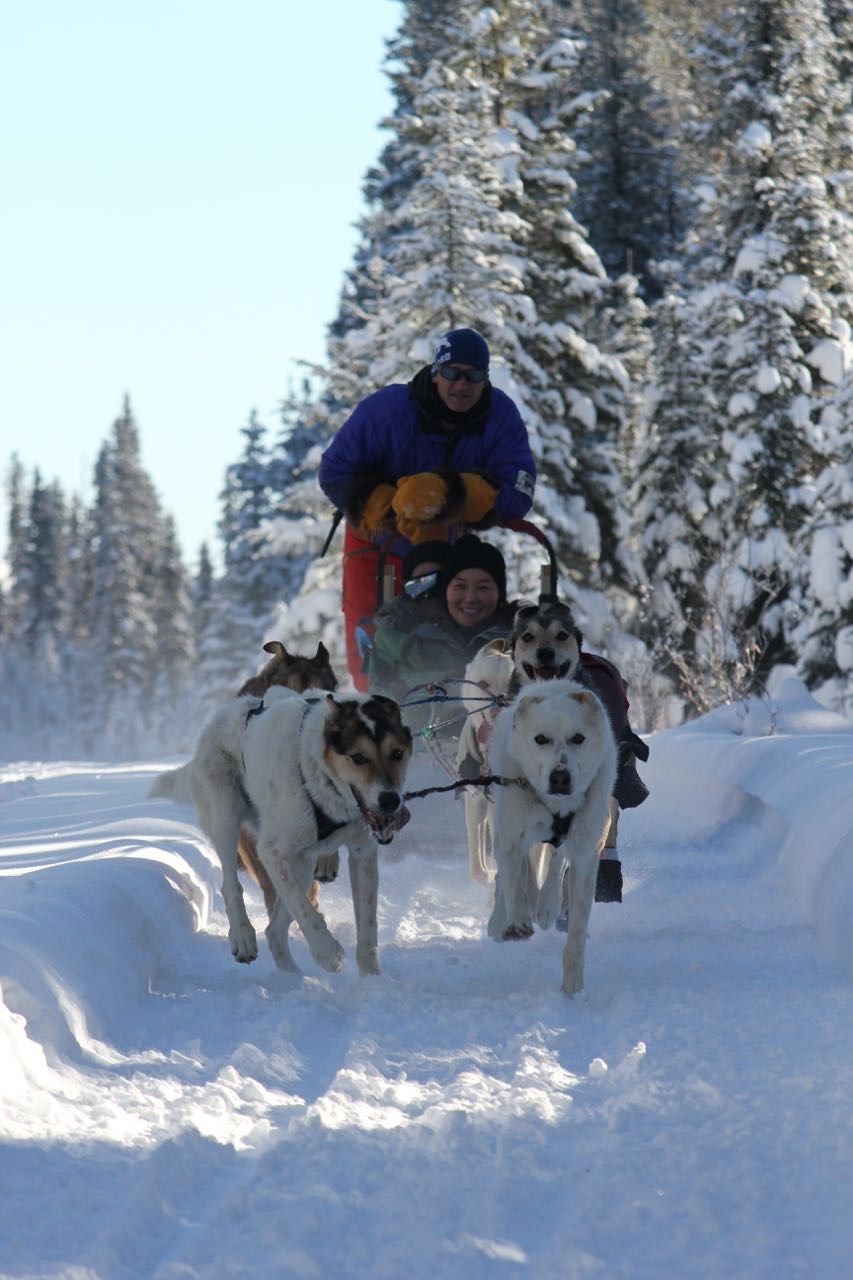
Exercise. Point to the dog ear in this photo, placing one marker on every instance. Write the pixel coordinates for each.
(276, 647)
(497, 646)
(587, 699)
(526, 610)
(524, 705)
(322, 654)
(387, 705)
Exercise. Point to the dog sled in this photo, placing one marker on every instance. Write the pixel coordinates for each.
(438, 708)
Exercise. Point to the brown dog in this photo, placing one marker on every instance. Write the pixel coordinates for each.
(296, 672)
(292, 671)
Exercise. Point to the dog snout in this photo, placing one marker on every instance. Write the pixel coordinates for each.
(560, 782)
(389, 801)
(546, 656)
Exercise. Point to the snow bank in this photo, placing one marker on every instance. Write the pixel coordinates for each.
(796, 758)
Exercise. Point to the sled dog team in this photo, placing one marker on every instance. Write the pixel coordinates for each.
(289, 771)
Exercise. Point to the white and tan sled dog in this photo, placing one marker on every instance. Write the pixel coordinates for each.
(487, 678)
(305, 775)
(554, 749)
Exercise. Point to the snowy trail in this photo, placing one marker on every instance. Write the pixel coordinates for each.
(167, 1113)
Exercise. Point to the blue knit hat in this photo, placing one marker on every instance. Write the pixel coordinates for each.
(462, 346)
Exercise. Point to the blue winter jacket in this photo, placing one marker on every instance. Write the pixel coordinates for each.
(388, 436)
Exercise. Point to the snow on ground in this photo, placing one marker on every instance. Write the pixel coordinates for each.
(166, 1113)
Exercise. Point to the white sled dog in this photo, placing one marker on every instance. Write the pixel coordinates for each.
(305, 775)
(544, 645)
(555, 749)
(488, 673)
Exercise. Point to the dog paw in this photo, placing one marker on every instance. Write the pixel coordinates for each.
(243, 943)
(515, 932)
(330, 958)
(327, 867)
(572, 973)
(546, 912)
(368, 961)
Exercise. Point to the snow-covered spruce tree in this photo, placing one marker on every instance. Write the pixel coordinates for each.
(243, 597)
(45, 618)
(675, 467)
(574, 390)
(301, 523)
(170, 679)
(18, 499)
(79, 574)
(201, 593)
(273, 522)
(629, 197)
(126, 556)
(421, 38)
(218, 629)
(245, 506)
(788, 257)
(34, 668)
(823, 636)
(758, 312)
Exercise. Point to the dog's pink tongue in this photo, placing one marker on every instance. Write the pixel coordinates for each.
(401, 817)
(390, 824)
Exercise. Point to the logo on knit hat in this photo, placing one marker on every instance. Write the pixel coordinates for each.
(462, 346)
(442, 351)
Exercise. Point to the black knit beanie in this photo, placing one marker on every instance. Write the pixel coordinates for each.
(470, 553)
(422, 553)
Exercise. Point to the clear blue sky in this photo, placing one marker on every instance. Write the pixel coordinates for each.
(181, 179)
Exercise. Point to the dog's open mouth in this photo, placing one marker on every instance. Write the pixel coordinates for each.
(383, 826)
(548, 672)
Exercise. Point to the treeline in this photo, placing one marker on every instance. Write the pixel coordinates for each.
(646, 208)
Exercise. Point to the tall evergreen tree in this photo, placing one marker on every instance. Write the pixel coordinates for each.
(46, 615)
(172, 614)
(18, 534)
(630, 194)
(126, 529)
(768, 278)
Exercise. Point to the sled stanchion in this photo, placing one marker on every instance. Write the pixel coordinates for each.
(547, 592)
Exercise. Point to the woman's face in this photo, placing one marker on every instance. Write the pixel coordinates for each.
(472, 597)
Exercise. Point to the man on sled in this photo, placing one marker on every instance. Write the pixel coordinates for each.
(424, 460)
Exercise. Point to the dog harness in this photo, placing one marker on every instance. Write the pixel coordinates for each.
(326, 826)
(559, 829)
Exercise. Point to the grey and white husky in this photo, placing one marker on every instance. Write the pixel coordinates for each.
(304, 776)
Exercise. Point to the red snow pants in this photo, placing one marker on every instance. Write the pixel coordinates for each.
(361, 594)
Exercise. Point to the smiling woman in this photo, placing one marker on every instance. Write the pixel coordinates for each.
(434, 637)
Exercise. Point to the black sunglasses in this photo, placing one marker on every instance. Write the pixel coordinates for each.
(451, 374)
